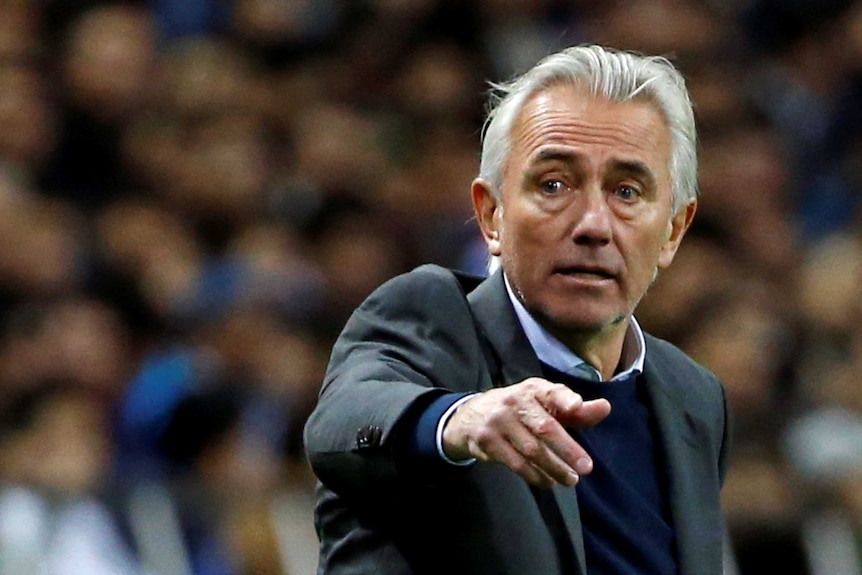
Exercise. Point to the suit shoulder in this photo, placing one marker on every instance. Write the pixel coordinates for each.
(666, 355)
(698, 388)
(433, 275)
(425, 285)
(427, 303)
(681, 376)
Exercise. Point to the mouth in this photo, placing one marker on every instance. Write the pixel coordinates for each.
(585, 273)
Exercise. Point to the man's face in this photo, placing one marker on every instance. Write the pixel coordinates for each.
(585, 219)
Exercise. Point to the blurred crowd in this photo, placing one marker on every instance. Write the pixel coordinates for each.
(194, 195)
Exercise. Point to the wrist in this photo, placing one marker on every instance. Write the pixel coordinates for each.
(450, 442)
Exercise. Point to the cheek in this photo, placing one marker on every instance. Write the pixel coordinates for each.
(519, 252)
(646, 253)
(525, 243)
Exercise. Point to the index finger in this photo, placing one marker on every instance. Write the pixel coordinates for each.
(588, 414)
(557, 399)
(570, 409)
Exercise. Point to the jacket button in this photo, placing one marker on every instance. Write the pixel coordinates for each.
(368, 436)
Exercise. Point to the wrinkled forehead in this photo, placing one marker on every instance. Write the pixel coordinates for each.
(584, 90)
(572, 116)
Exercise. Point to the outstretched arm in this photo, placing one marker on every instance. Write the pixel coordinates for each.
(410, 342)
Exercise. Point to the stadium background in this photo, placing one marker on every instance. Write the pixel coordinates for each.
(195, 193)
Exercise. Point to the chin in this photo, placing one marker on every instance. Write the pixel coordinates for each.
(570, 320)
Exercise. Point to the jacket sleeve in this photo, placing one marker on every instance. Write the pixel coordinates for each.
(412, 340)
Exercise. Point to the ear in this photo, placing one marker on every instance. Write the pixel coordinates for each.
(489, 211)
(677, 226)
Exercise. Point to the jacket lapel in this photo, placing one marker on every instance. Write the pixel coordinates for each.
(499, 325)
(516, 361)
(683, 437)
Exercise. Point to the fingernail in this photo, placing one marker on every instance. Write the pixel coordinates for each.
(584, 465)
(573, 404)
(573, 478)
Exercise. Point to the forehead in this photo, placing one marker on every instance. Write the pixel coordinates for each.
(567, 115)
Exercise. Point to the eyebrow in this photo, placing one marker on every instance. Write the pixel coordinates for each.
(638, 169)
(634, 168)
(554, 154)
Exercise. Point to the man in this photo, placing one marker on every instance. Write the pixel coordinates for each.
(533, 428)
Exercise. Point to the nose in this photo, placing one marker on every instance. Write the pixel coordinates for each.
(592, 224)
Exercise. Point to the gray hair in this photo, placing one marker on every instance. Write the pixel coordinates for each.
(617, 75)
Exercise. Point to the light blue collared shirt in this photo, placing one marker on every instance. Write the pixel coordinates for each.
(551, 351)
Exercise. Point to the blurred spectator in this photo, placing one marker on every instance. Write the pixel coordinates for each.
(45, 244)
(757, 228)
(685, 28)
(813, 107)
(105, 70)
(55, 453)
(222, 476)
(76, 339)
(199, 192)
(26, 120)
(823, 441)
(19, 30)
(356, 250)
(746, 338)
(828, 369)
(156, 250)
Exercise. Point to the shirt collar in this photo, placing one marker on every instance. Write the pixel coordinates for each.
(551, 351)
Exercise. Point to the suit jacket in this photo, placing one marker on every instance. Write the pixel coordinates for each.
(417, 337)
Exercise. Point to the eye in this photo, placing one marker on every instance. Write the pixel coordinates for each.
(627, 192)
(552, 187)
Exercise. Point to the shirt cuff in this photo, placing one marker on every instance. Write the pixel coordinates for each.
(424, 442)
(438, 437)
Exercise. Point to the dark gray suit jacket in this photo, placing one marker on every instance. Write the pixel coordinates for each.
(415, 338)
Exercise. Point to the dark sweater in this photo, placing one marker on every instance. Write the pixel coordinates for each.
(624, 502)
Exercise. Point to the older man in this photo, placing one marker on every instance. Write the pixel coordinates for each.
(532, 427)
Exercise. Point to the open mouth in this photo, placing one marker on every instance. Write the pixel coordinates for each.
(586, 273)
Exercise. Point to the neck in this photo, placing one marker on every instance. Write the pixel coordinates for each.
(602, 349)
